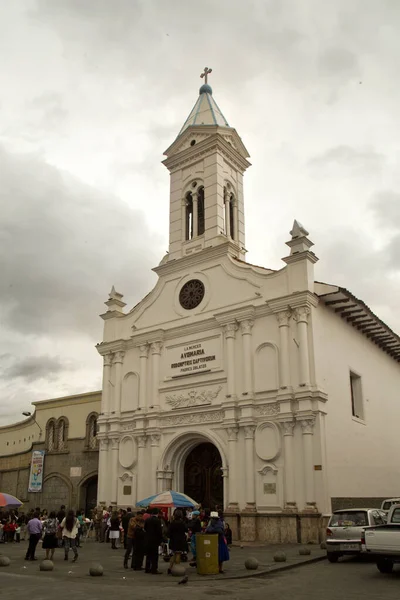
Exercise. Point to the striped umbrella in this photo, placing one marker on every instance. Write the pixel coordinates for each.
(8, 501)
(168, 499)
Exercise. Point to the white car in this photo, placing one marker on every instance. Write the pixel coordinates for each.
(345, 527)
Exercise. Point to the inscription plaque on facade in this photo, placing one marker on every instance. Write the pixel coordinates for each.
(269, 488)
(192, 358)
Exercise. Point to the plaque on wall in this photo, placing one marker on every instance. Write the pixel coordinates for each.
(269, 488)
(193, 357)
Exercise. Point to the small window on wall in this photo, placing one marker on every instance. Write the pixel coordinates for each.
(357, 404)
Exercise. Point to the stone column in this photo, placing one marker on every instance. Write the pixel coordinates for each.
(246, 327)
(160, 482)
(284, 364)
(307, 426)
(290, 495)
(114, 469)
(118, 360)
(227, 214)
(168, 474)
(144, 353)
(236, 219)
(155, 444)
(105, 398)
(302, 332)
(183, 217)
(195, 214)
(155, 374)
(232, 473)
(104, 472)
(249, 451)
(230, 333)
(142, 470)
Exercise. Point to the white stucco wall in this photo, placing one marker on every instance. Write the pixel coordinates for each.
(362, 456)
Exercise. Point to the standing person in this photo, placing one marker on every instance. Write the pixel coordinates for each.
(97, 521)
(177, 539)
(50, 541)
(216, 526)
(130, 534)
(139, 545)
(228, 534)
(114, 529)
(194, 528)
(22, 526)
(34, 529)
(104, 526)
(80, 528)
(60, 517)
(69, 526)
(152, 527)
(125, 524)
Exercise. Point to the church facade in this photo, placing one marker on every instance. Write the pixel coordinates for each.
(259, 391)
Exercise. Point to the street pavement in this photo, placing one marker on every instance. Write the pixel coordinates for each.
(349, 579)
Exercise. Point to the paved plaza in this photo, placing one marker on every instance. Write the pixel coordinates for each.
(350, 579)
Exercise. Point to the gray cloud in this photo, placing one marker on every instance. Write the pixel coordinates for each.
(32, 368)
(62, 246)
(348, 157)
(386, 207)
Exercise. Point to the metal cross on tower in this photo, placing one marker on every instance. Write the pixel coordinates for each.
(206, 73)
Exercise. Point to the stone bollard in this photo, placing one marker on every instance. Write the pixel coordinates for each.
(304, 551)
(46, 565)
(178, 570)
(280, 557)
(323, 546)
(251, 564)
(4, 561)
(96, 570)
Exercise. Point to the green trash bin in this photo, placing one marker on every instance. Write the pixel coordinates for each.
(207, 553)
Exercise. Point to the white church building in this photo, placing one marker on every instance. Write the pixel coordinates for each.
(263, 392)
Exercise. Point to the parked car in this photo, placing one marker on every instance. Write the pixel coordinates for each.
(345, 527)
(387, 504)
(383, 541)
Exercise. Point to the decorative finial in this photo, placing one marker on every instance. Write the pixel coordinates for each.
(206, 73)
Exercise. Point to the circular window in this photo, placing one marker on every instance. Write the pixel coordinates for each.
(191, 294)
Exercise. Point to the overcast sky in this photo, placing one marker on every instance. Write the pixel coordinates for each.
(91, 94)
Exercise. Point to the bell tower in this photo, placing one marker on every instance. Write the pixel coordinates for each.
(206, 162)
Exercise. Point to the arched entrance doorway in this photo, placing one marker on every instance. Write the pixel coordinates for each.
(203, 476)
(88, 496)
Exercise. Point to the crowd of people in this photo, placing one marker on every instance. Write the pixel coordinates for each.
(144, 536)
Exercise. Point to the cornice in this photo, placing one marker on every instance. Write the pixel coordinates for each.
(292, 301)
(207, 146)
(185, 262)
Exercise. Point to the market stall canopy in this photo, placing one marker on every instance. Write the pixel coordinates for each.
(169, 499)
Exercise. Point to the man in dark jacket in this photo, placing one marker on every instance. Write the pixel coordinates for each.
(154, 538)
(125, 523)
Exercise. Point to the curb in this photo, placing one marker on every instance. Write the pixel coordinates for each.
(264, 572)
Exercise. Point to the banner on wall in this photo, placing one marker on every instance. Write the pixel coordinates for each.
(36, 474)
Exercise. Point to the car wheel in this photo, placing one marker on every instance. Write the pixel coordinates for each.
(333, 557)
(385, 565)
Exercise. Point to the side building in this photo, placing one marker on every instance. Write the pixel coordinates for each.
(66, 430)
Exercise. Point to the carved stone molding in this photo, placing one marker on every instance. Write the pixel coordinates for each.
(301, 314)
(108, 358)
(103, 444)
(126, 427)
(144, 350)
(249, 432)
(307, 426)
(267, 410)
(232, 434)
(268, 468)
(155, 439)
(230, 330)
(156, 347)
(119, 356)
(126, 477)
(225, 471)
(288, 427)
(284, 318)
(246, 326)
(142, 441)
(193, 398)
(114, 443)
(194, 418)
